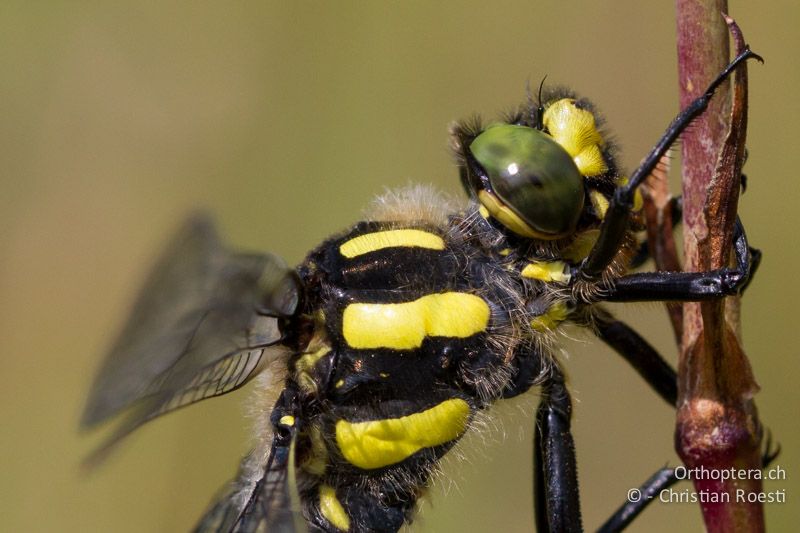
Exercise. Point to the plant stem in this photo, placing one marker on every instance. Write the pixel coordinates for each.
(717, 425)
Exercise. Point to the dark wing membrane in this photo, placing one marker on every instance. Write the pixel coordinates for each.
(194, 331)
(264, 497)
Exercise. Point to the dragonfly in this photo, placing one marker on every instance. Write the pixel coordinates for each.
(377, 353)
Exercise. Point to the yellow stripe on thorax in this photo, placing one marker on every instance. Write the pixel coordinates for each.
(304, 368)
(378, 240)
(575, 130)
(379, 443)
(316, 462)
(599, 202)
(638, 200)
(331, 508)
(555, 315)
(404, 326)
(546, 271)
(580, 247)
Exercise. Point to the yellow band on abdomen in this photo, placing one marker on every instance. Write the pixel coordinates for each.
(404, 326)
(379, 443)
(331, 508)
(371, 242)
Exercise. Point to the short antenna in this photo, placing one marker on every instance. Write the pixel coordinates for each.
(531, 113)
(540, 107)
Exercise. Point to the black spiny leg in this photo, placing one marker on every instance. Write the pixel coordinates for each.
(637, 501)
(755, 260)
(615, 224)
(539, 487)
(690, 286)
(639, 353)
(556, 479)
(676, 210)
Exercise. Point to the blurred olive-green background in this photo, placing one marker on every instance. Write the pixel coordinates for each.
(284, 119)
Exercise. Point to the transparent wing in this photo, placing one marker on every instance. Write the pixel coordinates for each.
(264, 497)
(200, 328)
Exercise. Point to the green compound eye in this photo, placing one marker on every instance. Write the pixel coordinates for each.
(533, 176)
